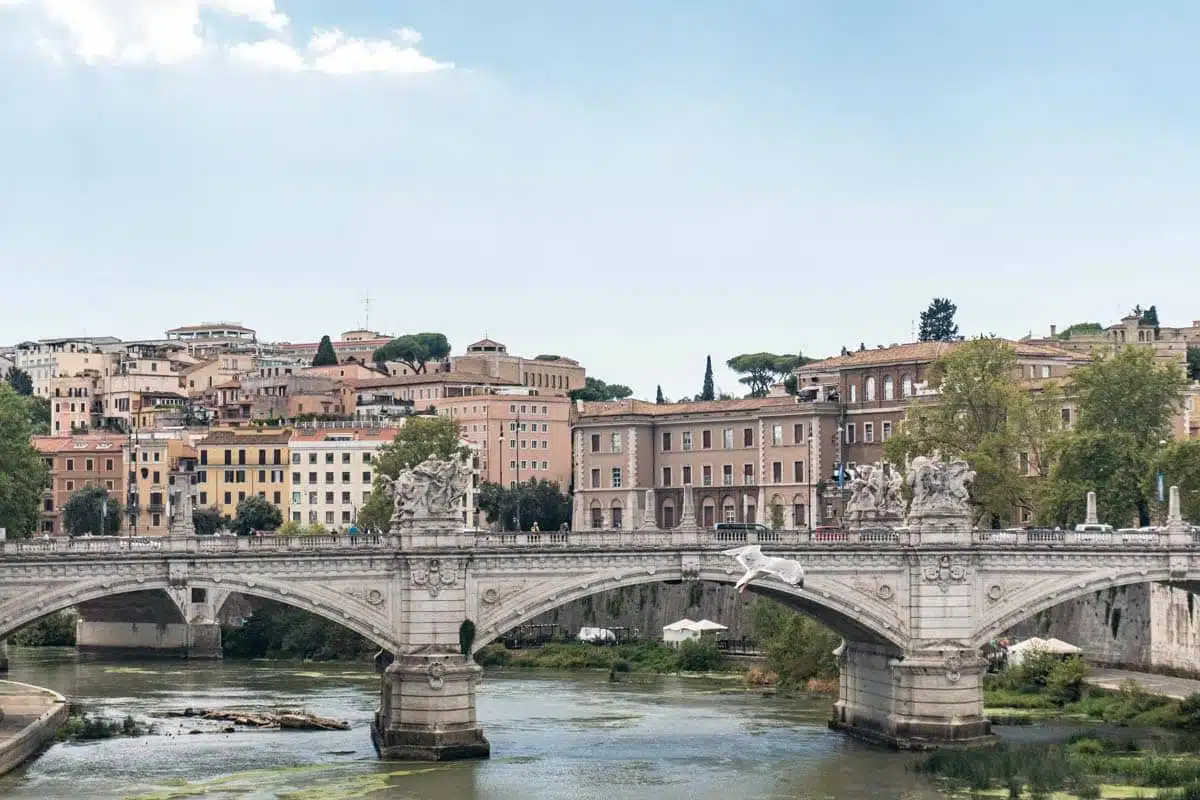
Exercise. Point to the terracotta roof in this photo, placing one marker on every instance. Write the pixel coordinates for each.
(430, 377)
(224, 326)
(74, 444)
(923, 352)
(485, 343)
(247, 438)
(616, 408)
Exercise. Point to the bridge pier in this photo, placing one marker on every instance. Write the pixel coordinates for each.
(427, 710)
(911, 701)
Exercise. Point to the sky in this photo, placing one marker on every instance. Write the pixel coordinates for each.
(636, 184)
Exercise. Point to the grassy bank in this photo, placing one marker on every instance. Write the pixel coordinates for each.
(648, 657)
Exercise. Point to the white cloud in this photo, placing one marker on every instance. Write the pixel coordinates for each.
(173, 31)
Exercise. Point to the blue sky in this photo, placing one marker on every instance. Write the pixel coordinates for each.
(636, 183)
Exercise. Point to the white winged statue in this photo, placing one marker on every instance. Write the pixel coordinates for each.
(758, 565)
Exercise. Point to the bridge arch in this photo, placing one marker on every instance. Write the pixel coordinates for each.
(38, 602)
(1046, 595)
(855, 618)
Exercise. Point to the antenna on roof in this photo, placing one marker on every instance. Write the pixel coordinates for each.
(367, 310)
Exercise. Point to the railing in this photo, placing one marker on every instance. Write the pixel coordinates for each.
(196, 544)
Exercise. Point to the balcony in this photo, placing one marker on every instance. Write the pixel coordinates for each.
(156, 508)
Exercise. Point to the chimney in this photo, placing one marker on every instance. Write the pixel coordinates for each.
(1053, 331)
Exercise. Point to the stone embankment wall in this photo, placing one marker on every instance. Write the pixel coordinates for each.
(32, 716)
(650, 606)
(1147, 626)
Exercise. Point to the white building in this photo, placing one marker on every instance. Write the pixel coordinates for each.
(333, 472)
(49, 358)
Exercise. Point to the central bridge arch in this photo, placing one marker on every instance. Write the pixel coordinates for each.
(854, 617)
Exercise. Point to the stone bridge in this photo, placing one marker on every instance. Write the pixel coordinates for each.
(914, 603)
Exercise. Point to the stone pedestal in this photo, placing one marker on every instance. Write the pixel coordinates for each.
(427, 710)
(947, 528)
(428, 532)
(3, 658)
(911, 701)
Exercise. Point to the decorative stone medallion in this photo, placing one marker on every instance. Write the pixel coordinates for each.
(994, 592)
(374, 597)
(885, 592)
(953, 669)
(945, 572)
(437, 675)
(490, 596)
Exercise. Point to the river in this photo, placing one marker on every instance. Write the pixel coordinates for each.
(553, 736)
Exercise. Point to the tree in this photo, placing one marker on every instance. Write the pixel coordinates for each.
(797, 648)
(23, 474)
(1080, 327)
(39, 415)
(658, 397)
(1193, 363)
(1126, 406)
(539, 501)
(595, 390)
(983, 415)
(760, 370)
(937, 321)
(92, 511)
(415, 350)
(325, 356)
(20, 381)
(207, 521)
(1179, 463)
(707, 392)
(420, 438)
(256, 514)
(1150, 316)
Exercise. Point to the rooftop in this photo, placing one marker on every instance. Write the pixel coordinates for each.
(49, 445)
(618, 408)
(431, 377)
(245, 436)
(361, 434)
(923, 352)
(211, 326)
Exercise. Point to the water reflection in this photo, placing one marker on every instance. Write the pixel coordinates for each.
(560, 736)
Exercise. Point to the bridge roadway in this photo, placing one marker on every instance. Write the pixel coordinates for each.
(913, 604)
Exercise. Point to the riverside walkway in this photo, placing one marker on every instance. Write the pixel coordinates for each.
(32, 716)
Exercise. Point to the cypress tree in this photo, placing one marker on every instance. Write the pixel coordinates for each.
(659, 397)
(325, 356)
(707, 393)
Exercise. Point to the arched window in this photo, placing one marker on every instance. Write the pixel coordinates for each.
(597, 514)
(616, 515)
(708, 512)
(889, 388)
(906, 385)
(870, 389)
(853, 393)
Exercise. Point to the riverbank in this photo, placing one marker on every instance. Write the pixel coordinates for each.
(32, 717)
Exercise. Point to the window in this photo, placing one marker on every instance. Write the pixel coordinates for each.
(241, 496)
(329, 477)
(799, 519)
(1023, 461)
(366, 496)
(312, 498)
(889, 388)
(228, 498)
(296, 498)
(157, 457)
(241, 457)
(262, 456)
(1045, 372)
(345, 516)
(729, 512)
(870, 389)
(345, 458)
(727, 438)
(228, 457)
(345, 477)
(241, 476)
(597, 518)
(328, 498)
(204, 498)
(1066, 417)
(366, 477)
(108, 465)
(685, 475)
(706, 440)
(727, 475)
(312, 458)
(777, 472)
(366, 458)
(312, 477)
(706, 475)
(851, 436)
(868, 432)
(312, 516)
(887, 431)
(295, 516)
(229, 476)
(88, 465)
(616, 517)
(70, 486)
(616, 478)
(275, 498)
(204, 457)
(329, 517)
(906, 386)
(614, 442)
(853, 393)
(797, 472)
(295, 458)
(262, 476)
(595, 443)
(747, 437)
(345, 497)
(798, 433)
(666, 441)
(595, 479)
(329, 458)
(70, 465)
(748, 474)
(666, 476)
(687, 440)
(776, 435)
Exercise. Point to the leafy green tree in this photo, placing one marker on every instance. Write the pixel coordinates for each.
(983, 415)
(256, 514)
(1179, 463)
(23, 474)
(595, 390)
(707, 392)
(420, 438)
(937, 321)
(325, 356)
(290, 528)
(20, 381)
(760, 370)
(658, 397)
(39, 415)
(797, 648)
(1150, 316)
(1080, 327)
(539, 501)
(1126, 404)
(1193, 363)
(415, 350)
(92, 511)
(207, 521)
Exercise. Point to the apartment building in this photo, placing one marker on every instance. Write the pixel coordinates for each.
(74, 401)
(333, 471)
(211, 338)
(549, 374)
(357, 344)
(48, 358)
(75, 463)
(151, 456)
(752, 460)
(234, 464)
(216, 371)
(873, 388)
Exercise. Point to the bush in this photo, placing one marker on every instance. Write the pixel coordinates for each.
(56, 630)
(699, 656)
(1064, 682)
(276, 630)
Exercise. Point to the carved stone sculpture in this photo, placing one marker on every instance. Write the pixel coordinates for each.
(875, 495)
(940, 488)
(432, 488)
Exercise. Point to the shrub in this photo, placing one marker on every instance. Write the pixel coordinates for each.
(55, 630)
(699, 656)
(1064, 681)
